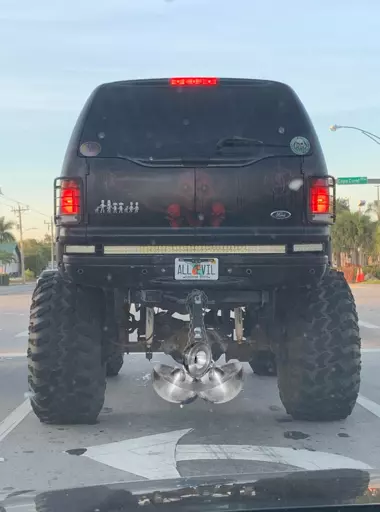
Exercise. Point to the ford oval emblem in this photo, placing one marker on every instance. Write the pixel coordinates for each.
(281, 214)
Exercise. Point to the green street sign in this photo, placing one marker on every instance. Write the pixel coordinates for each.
(357, 180)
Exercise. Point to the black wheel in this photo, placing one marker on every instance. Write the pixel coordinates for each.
(263, 363)
(113, 351)
(319, 359)
(114, 364)
(67, 377)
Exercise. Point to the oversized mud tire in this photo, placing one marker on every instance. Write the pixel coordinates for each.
(113, 350)
(263, 363)
(114, 364)
(66, 374)
(319, 360)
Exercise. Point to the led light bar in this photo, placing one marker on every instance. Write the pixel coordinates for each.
(308, 247)
(79, 249)
(194, 249)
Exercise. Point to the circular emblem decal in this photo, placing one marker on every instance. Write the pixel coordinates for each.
(300, 145)
(281, 214)
(90, 149)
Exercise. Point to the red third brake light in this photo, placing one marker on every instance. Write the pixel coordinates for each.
(70, 198)
(321, 199)
(192, 81)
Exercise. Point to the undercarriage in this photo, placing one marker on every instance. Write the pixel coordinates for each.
(195, 331)
(306, 336)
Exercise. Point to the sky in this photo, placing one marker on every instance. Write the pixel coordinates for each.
(54, 53)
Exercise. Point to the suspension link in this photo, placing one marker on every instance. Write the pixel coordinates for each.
(196, 303)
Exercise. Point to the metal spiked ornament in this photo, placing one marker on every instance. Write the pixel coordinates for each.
(222, 384)
(198, 376)
(173, 384)
(218, 385)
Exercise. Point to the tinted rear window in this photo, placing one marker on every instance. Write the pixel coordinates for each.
(160, 121)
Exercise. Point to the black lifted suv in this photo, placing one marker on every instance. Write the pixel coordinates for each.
(193, 218)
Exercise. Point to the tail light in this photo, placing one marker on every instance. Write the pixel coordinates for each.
(68, 200)
(322, 199)
(193, 81)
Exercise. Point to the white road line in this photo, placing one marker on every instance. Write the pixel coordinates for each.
(11, 355)
(370, 350)
(368, 325)
(369, 405)
(14, 418)
(23, 334)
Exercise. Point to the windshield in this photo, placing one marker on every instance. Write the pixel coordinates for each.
(163, 121)
(189, 255)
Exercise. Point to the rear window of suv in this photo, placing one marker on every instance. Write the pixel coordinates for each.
(163, 122)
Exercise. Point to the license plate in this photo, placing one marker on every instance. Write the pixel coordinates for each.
(196, 269)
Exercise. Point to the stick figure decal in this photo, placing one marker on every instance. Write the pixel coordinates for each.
(107, 206)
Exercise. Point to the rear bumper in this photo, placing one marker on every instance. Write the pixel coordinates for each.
(236, 272)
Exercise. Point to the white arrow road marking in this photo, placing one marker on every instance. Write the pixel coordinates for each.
(151, 457)
(304, 459)
(156, 456)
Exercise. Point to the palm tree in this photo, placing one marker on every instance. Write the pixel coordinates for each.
(6, 235)
(5, 259)
(342, 205)
(374, 208)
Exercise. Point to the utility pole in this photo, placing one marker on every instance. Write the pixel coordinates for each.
(51, 233)
(19, 211)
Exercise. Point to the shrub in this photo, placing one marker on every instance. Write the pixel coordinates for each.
(29, 274)
(373, 271)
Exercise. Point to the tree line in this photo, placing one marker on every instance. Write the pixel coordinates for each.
(355, 235)
(37, 253)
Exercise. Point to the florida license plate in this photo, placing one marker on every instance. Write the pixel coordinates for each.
(196, 269)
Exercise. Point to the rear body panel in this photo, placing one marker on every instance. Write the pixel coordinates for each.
(127, 195)
(166, 182)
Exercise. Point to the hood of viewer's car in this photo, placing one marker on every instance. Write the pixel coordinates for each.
(232, 492)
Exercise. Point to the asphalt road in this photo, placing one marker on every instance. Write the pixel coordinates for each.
(140, 436)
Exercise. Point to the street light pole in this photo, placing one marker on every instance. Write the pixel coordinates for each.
(19, 211)
(51, 232)
(372, 136)
(52, 239)
(378, 194)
